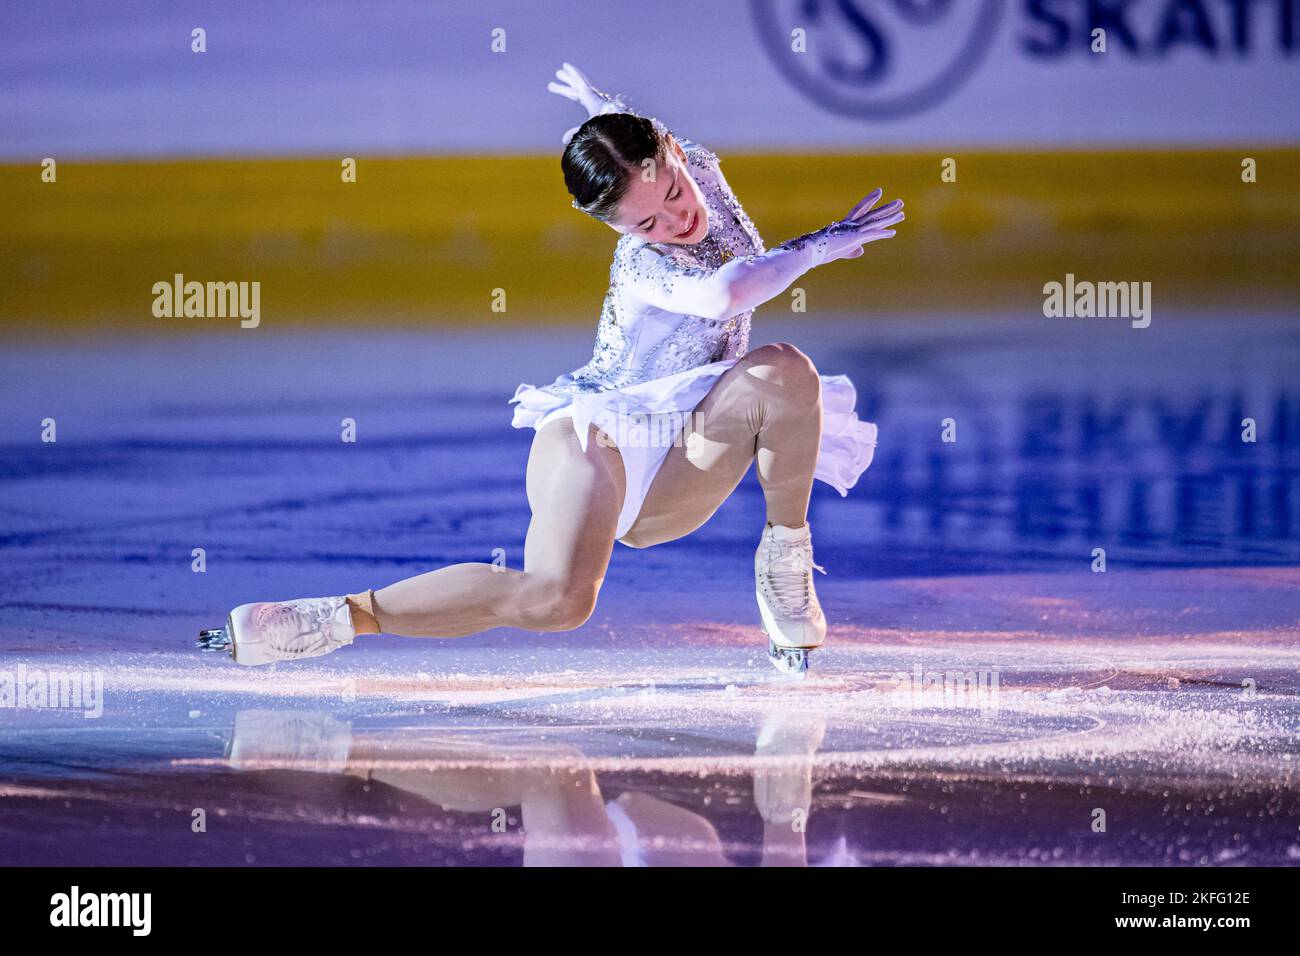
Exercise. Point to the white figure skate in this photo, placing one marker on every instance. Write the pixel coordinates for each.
(267, 632)
(792, 617)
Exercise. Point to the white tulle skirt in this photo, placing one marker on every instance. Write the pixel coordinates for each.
(644, 420)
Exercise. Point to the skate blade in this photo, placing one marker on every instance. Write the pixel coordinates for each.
(792, 661)
(216, 639)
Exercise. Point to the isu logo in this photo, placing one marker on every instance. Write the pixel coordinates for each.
(888, 59)
(878, 60)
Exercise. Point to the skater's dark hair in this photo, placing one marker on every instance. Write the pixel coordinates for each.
(606, 150)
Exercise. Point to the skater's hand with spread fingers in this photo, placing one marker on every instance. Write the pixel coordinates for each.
(863, 224)
(574, 85)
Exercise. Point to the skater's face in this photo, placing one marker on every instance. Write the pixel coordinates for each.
(665, 205)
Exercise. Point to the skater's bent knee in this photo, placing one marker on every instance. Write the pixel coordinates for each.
(553, 606)
(566, 612)
(785, 365)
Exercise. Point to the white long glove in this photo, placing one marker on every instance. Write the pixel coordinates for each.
(574, 85)
(761, 278)
(747, 282)
(845, 239)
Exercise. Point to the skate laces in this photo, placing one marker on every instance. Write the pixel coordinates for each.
(789, 575)
(298, 628)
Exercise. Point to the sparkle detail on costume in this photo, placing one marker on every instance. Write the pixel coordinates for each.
(616, 361)
(623, 355)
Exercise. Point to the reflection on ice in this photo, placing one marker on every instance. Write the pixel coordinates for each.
(681, 753)
(541, 795)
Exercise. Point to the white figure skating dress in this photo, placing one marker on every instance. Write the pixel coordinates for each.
(663, 341)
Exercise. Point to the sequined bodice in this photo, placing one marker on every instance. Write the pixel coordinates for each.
(636, 342)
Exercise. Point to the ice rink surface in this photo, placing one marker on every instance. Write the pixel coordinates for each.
(985, 697)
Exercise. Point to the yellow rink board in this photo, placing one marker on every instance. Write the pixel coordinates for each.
(428, 239)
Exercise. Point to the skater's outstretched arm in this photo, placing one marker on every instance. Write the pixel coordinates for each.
(737, 286)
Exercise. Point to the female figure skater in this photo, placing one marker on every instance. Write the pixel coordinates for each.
(671, 350)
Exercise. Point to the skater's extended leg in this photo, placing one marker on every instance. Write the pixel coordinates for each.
(767, 407)
(575, 497)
